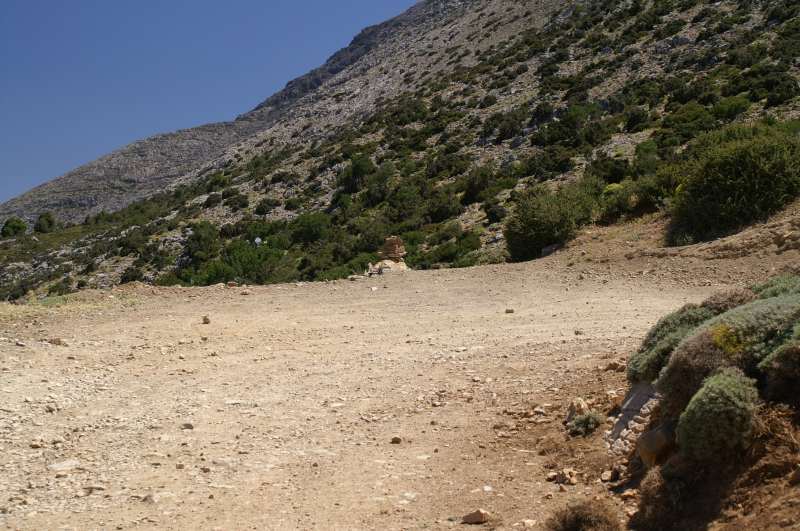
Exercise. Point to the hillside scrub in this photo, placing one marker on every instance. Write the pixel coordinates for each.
(735, 177)
(544, 217)
(13, 227)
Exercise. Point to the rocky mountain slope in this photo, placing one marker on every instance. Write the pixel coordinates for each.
(476, 131)
(151, 165)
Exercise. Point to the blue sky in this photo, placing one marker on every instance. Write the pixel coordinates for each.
(83, 77)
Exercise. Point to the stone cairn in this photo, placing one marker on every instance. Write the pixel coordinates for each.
(392, 256)
(393, 249)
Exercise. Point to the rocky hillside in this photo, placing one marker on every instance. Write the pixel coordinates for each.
(147, 166)
(476, 131)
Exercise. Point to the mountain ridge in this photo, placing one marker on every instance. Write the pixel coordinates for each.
(149, 165)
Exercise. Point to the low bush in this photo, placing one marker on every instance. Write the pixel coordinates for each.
(782, 371)
(583, 425)
(132, 274)
(718, 422)
(589, 515)
(646, 363)
(777, 286)
(740, 338)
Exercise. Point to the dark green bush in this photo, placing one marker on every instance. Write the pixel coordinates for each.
(718, 422)
(543, 217)
(266, 205)
(131, 274)
(45, 223)
(729, 108)
(728, 183)
(212, 200)
(13, 227)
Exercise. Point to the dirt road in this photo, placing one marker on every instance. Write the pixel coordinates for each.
(280, 413)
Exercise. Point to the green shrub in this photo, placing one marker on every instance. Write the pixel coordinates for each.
(543, 217)
(132, 274)
(309, 228)
(237, 202)
(740, 338)
(203, 244)
(589, 515)
(13, 227)
(729, 108)
(779, 285)
(782, 371)
(718, 422)
(583, 425)
(733, 182)
(266, 205)
(646, 363)
(45, 223)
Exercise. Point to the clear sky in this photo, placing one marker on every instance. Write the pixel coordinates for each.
(80, 78)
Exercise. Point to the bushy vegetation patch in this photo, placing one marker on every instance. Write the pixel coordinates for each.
(544, 217)
(13, 227)
(718, 422)
(646, 363)
(733, 178)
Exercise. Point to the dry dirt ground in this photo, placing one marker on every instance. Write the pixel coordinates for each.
(280, 413)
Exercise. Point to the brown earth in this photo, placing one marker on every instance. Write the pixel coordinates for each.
(280, 413)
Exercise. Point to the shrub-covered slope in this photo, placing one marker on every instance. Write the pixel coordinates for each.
(514, 127)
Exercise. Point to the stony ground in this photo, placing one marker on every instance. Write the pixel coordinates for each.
(401, 402)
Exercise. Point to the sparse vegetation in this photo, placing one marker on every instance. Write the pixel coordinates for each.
(584, 516)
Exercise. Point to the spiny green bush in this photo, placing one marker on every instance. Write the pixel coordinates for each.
(583, 425)
(780, 285)
(741, 338)
(782, 370)
(718, 422)
(729, 182)
(646, 363)
(544, 217)
(589, 515)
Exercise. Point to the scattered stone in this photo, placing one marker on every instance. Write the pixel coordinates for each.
(509, 310)
(568, 476)
(396, 440)
(655, 445)
(187, 426)
(629, 494)
(529, 524)
(615, 366)
(57, 342)
(20, 344)
(65, 466)
(476, 518)
(206, 320)
(606, 476)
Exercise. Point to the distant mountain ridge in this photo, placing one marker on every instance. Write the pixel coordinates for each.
(150, 165)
